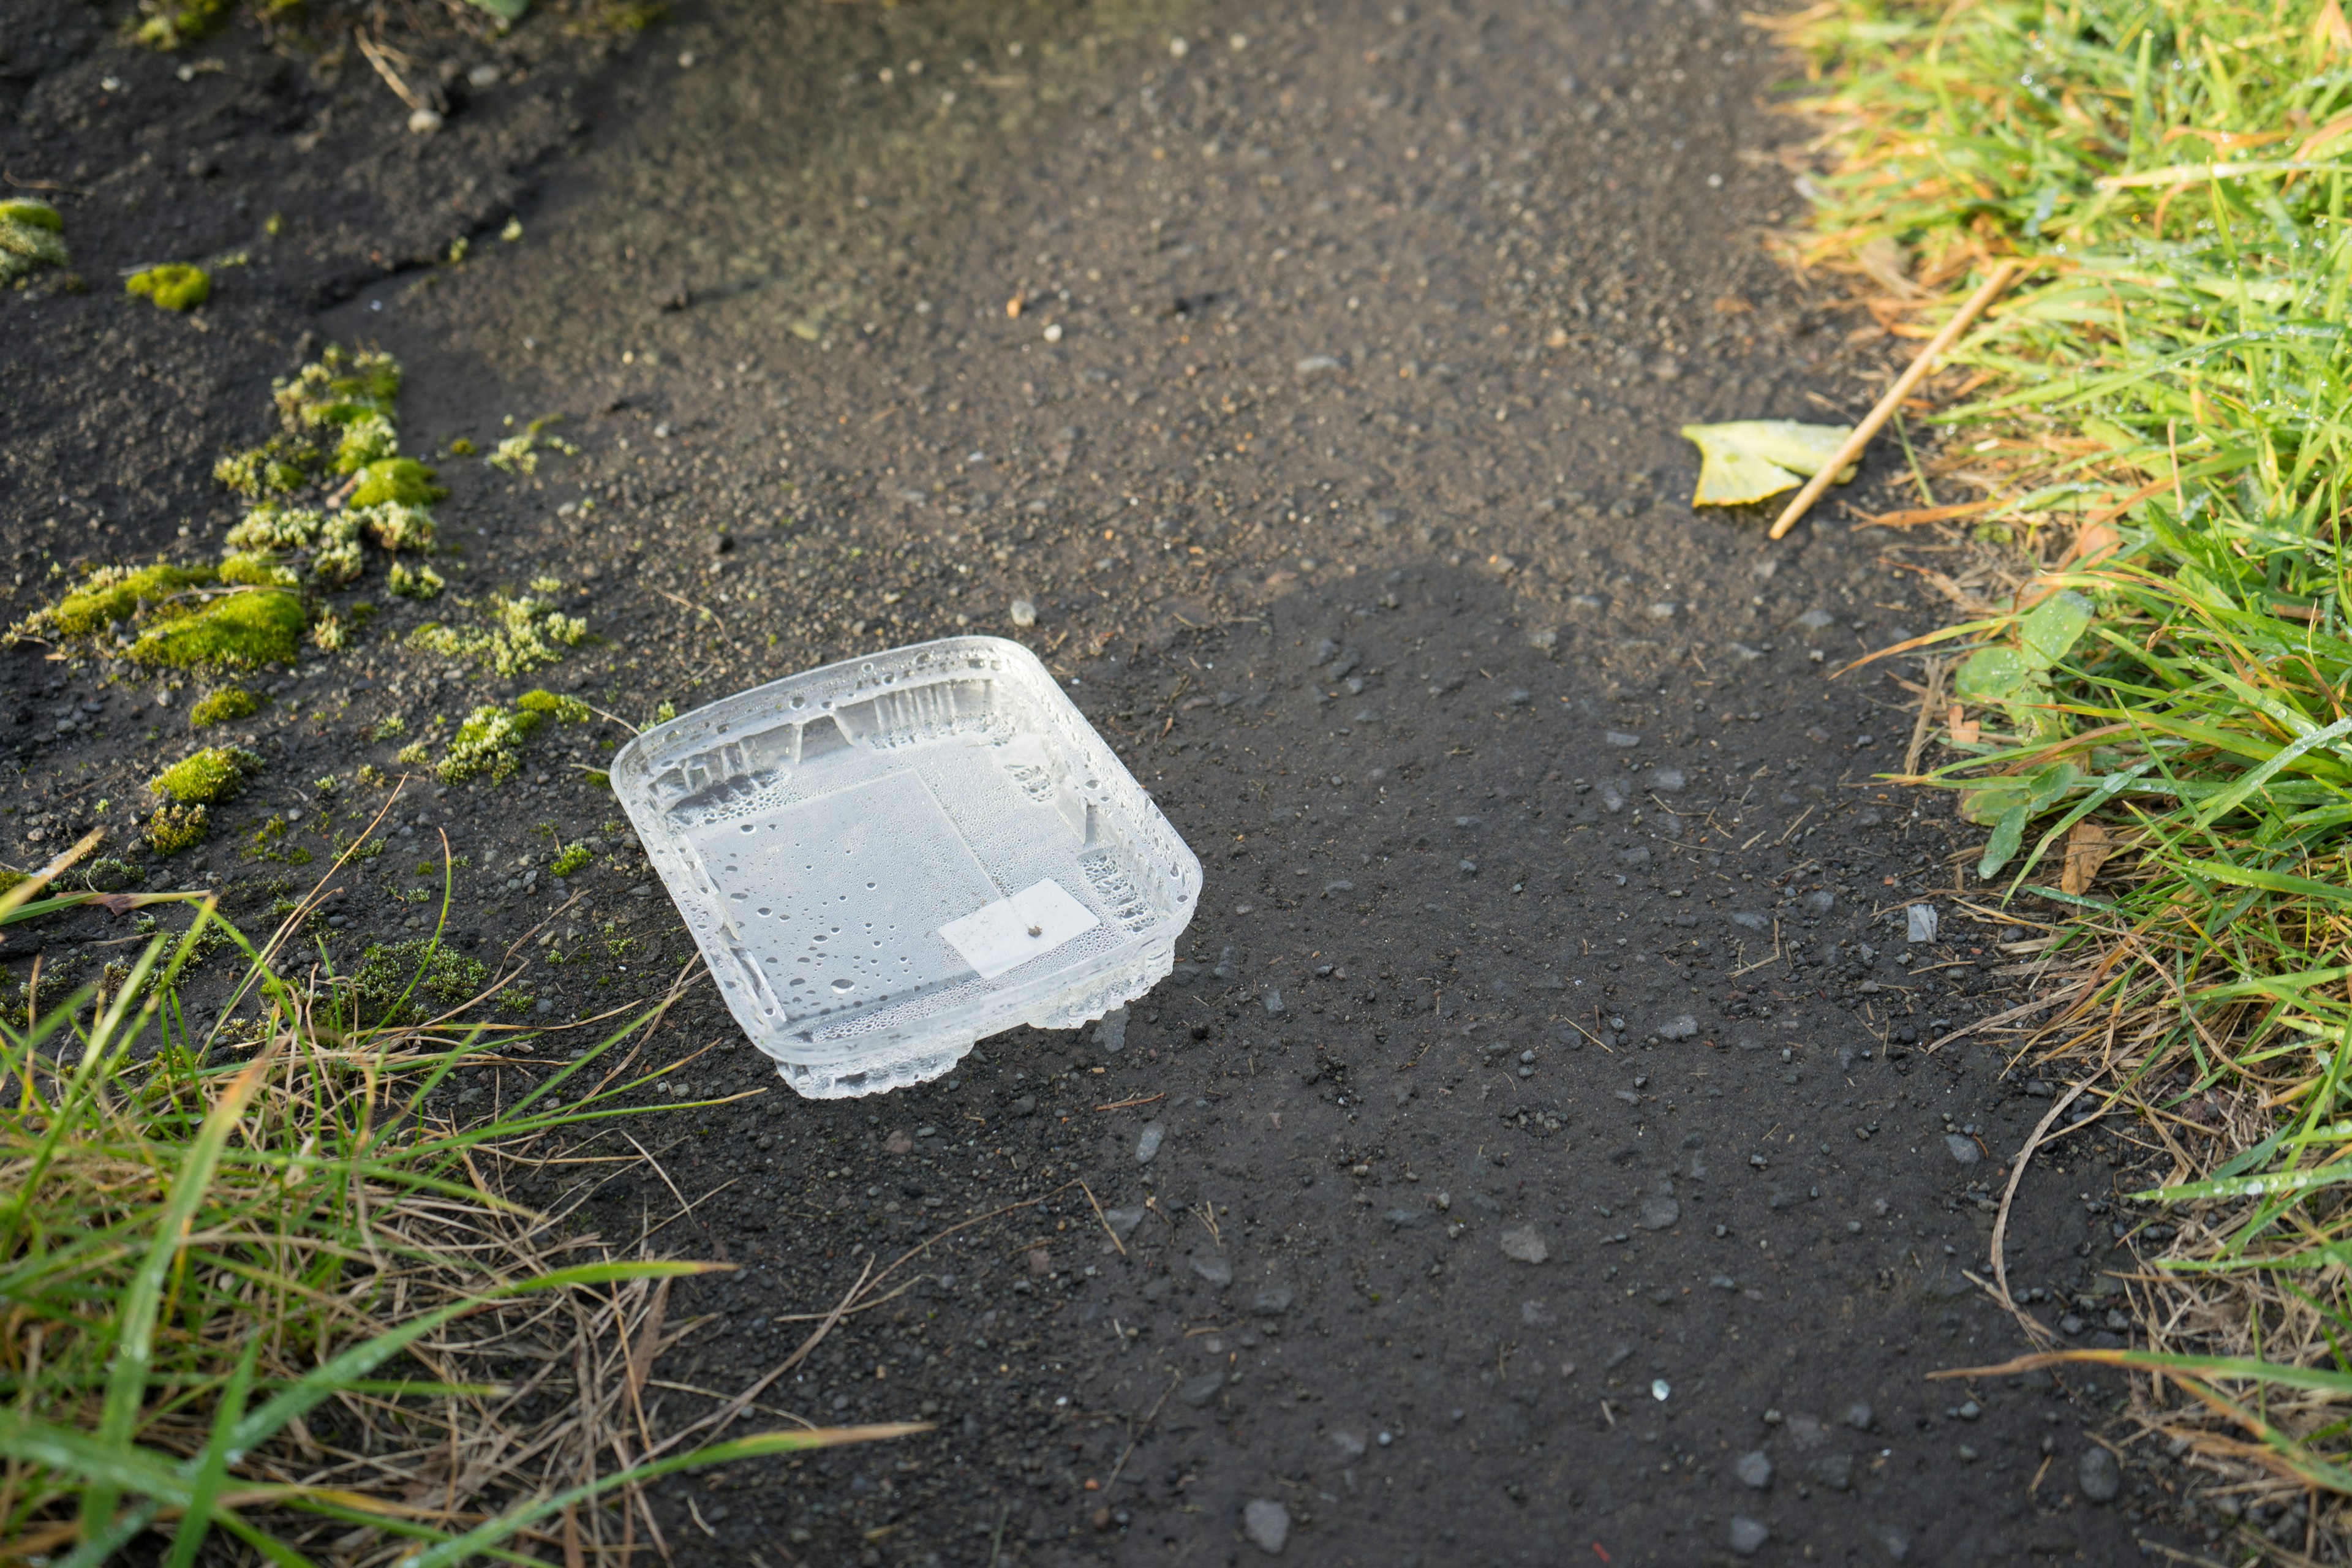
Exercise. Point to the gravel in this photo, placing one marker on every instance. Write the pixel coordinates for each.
(1267, 1524)
(2097, 1475)
(1521, 1244)
(1754, 1468)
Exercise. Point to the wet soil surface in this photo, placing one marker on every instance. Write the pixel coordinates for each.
(1536, 1153)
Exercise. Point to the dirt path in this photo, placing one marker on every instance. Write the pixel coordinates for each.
(1551, 913)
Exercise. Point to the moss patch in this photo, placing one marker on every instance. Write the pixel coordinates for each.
(257, 569)
(226, 705)
(32, 236)
(208, 778)
(169, 25)
(397, 526)
(276, 467)
(337, 388)
(113, 594)
(422, 584)
(175, 285)
(369, 439)
(525, 633)
(402, 479)
(563, 710)
(393, 980)
(239, 631)
(490, 742)
(327, 541)
(338, 415)
(175, 827)
(108, 875)
(516, 455)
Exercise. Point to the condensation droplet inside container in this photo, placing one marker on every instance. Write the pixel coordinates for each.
(987, 859)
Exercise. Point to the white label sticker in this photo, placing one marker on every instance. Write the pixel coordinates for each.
(1008, 933)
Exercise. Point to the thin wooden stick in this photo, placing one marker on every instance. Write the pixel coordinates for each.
(1985, 293)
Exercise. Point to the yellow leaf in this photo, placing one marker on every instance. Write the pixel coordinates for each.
(1751, 459)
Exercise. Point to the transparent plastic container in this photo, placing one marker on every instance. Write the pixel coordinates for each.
(886, 859)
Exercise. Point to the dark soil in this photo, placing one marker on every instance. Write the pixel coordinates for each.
(1548, 890)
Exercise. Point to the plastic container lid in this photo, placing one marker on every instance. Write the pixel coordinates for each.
(886, 860)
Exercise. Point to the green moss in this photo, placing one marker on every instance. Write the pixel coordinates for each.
(393, 982)
(108, 875)
(422, 584)
(463, 446)
(269, 843)
(32, 214)
(564, 710)
(270, 526)
(402, 479)
(208, 778)
(258, 570)
(275, 467)
(175, 285)
(397, 527)
(337, 388)
(489, 743)
(175, 827)
(369, 439)
(615, 18)
(331, 539)
(573, 857)
(31, 236)
(226, 705)
(238, 631)
(113, 594)
(168, 25)
(516, 455)
(525, 633)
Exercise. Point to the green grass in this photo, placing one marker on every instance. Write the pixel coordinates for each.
(226, 1257)
(2161, 425)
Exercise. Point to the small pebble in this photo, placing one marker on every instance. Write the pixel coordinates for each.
(1267, 1524)
(2097, 1476)
(1522, 1245)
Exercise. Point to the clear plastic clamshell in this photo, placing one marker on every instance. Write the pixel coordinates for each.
(886, 859)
